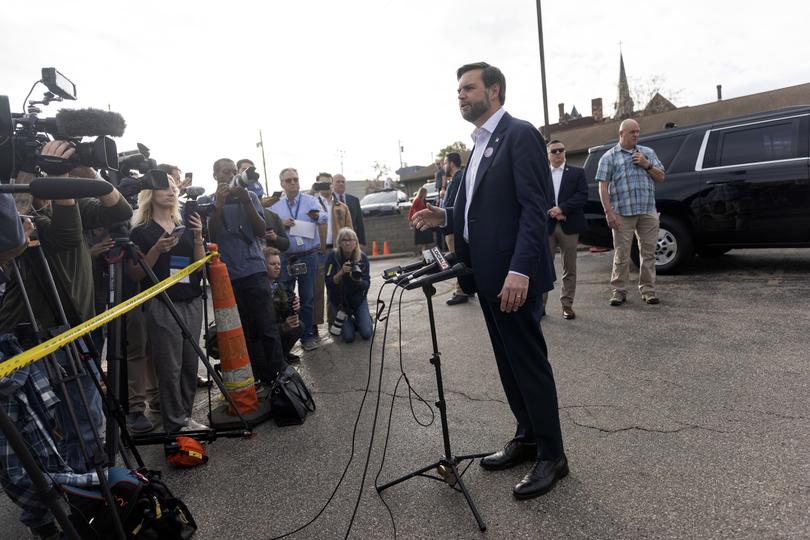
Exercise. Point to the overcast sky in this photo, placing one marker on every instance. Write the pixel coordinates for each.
(196, 81)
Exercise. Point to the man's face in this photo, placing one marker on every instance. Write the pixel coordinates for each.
(289, 183)
(628, 134)
(556, 154)
(446, 167)
(273, 266)
(474, 99)
(226, 172)
(339, 184)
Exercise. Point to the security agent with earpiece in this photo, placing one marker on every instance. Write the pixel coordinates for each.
(236, 225)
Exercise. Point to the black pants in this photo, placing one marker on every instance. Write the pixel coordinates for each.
(526, 375)
(288, 339)
(254, 299)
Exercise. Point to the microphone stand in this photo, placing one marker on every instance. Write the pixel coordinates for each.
(447, 465)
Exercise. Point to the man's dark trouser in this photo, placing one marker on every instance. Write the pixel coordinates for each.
(526, 375)
(288, 339)
(254, 300)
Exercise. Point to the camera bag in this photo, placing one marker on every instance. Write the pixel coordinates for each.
(290, 399)
(146, 507)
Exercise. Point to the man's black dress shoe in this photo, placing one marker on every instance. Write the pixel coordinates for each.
(457, 299)
(514, 453)
(541, 478)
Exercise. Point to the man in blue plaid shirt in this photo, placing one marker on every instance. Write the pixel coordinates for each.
(626, 176)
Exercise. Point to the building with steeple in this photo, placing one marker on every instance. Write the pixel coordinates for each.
(624, 105)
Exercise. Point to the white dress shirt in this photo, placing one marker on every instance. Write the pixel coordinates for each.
(480, 137)
(327, 204)
(556, 178)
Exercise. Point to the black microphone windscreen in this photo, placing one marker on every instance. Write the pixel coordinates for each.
(194, 191)
(89, 123)
(68, 188)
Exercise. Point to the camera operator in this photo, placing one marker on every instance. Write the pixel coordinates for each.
(168, 247)
(237, 226)
(59, 225)
(347, 282)
(286, 306)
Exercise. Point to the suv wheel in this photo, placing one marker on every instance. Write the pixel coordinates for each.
(674, 248)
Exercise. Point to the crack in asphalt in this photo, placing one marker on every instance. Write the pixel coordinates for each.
(405, 395)
(684, 427)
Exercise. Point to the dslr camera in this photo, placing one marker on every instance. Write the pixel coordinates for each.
(245, 178)
(22, 135)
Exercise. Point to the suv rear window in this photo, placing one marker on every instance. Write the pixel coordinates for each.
(752, 144)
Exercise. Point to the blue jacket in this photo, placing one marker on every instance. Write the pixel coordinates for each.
(349, 294)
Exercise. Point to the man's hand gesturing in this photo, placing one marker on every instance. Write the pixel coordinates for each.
(430, 217)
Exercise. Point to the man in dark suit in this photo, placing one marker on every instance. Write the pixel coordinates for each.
(566, 220)
(499, 224)
(455, 176)
(339, 189)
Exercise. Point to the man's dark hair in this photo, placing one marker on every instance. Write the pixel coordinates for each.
(555, 141)
(219, 161)
(489, 74)
(454, 158)
(322, 175)
(244, 160)
(165, 167)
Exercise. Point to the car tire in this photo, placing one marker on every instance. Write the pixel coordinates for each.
(674, 248)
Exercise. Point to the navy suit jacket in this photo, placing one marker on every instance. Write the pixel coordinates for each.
(572, 197)
(357, 216)
(508, 213)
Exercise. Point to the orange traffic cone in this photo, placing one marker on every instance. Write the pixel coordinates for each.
(374, 251)
(235, 362)
(386, 251)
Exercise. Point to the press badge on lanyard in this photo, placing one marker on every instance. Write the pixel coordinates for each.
(177, 263)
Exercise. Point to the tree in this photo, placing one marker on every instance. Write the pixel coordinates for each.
(642, 90)
(457, 146)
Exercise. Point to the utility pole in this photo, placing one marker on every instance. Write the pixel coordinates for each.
(399, 144)
(264, 163)
(543, 68)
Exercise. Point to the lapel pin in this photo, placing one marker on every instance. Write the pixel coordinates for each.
(497, 139)
(488, 151)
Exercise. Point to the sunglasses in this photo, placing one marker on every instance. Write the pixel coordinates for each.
(288, 180)
(557, 151)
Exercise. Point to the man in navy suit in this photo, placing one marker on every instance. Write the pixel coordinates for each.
(499, 224)
(339, 189)
(566, 220)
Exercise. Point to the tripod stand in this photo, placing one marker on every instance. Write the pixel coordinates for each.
(447, 465)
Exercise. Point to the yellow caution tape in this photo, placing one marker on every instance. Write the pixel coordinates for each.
(43, 349)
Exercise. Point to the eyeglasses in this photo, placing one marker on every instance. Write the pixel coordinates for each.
(288, 180)
(556, 151)
(347, 240)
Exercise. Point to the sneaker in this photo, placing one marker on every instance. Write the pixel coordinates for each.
(617, 299)
(650, 298)
(193, 425)
(309, 344)
(204, 383)
(137, 422)
(457, 299)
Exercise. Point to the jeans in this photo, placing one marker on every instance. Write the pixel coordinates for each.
(306, 288)
(360, 321)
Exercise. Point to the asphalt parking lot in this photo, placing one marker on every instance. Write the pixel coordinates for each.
(689, 419)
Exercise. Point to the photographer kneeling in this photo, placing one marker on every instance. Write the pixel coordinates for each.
(347, 283)
(286, 305)
(168, 247)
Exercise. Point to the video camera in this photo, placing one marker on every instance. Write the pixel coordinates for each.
(204, 210)
(22, 135)
(136, 172)
(245, 178)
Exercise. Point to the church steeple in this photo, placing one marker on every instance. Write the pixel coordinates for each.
(624, 105)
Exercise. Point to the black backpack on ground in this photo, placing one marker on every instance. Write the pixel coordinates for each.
(146, 507)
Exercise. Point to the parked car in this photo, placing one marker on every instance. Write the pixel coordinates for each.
(385, 202)
(737, 183)
(432, 195)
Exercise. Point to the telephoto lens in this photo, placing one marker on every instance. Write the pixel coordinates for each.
(356, 272)
(337, 324)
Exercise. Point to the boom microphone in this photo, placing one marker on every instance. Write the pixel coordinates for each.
(60, 188)
(194, 191)
(84, 123)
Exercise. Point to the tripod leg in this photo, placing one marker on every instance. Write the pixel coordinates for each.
(408, 476)
(481, 525)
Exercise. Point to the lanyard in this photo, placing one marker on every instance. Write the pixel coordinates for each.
(297, 206)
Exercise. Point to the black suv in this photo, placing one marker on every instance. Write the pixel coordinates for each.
(737, 183)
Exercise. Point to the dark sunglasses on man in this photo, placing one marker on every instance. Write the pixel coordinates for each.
(556, 151)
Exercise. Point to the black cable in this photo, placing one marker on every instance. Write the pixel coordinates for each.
(354, 435)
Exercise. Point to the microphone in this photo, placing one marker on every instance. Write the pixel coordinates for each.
(194, 191)
(454, 271)
(70, 123)
(448, 259)
(60, 188)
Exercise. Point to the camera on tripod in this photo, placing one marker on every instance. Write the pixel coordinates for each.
(137, 172)
(22, 135)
